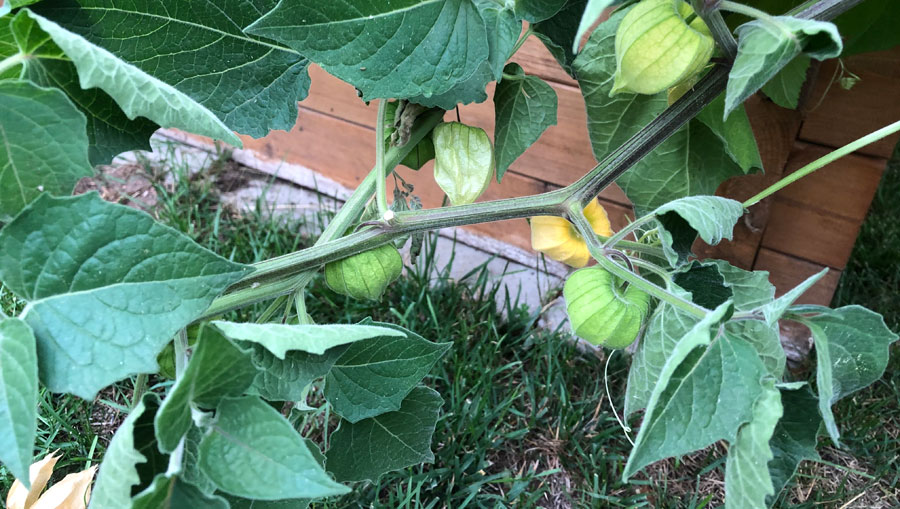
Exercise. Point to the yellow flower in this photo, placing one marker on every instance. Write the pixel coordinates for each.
(557, 238)
(73, 492)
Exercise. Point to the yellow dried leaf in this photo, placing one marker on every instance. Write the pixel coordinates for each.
(73, 492)
(39, 473)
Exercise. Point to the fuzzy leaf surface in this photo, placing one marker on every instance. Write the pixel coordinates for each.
(217, 369)
(137, 93)
(358, 449)
(18, 396)
(199, 48)
(524, 107)
(852, 352)
(75, 259)
(253, 438)
(374, 376)
(43, 145)
(315, 339)
(109, 131)
(398, 49)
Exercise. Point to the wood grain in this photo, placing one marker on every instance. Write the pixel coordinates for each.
(836, 116)
(786, 272)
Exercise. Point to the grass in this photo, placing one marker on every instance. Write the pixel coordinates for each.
(526, 420)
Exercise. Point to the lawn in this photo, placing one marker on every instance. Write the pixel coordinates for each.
(528, 417)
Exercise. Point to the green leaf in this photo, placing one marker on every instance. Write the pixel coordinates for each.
(766, 46)
(691, 162)
(704, 392)
(252, 438)
(285, 380)
(374, 376)
(358, 450)
(316, 339)
(705, 283)
(558, 33)
(751, 289)
(503, 31)
(109, 131)
(118, 472)
(794, 439)
(735, 133)
(851, 353)
(765, 339)
(592, 13)
(190, 463)
(524, 107)
(79, 258)
(200, 49)
(537, 10)
(747, 481)
(136, 92)
(611, 120)
(385, 49)
(217, 369)
(174, 493)
(712, 217)
(773, 310)
(18, 397)
(784, 88)
(666, 327)
(243, 503)
(43, 146)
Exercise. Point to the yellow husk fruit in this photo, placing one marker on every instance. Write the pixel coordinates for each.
(656, 49)
(601, 311)
(558, 239)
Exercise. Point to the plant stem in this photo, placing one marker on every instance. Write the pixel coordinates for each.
(10, 62)
(522, 39)
(652, 267)
(380, 191)
(181, 356)
(717, 27)
(823, 161)
(576, 215)
(750, 12)
(140, 387)
(283, 275)
(621, 234)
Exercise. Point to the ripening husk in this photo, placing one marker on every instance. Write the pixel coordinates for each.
(600, 312)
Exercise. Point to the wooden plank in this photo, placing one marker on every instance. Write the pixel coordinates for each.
(786, 272)
(775, 129)
(536, 60)
(818, 237)
(845, 115)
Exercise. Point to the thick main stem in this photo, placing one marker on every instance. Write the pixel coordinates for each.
(282, 275)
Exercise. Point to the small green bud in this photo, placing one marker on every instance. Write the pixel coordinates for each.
(600, 312)
(365, 275)
(656, 49)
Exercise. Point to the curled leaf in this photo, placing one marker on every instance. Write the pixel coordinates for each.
(365, 275)
(601, 311)
(20, 497)
(463, 161)
(558, 239)
(73, 492)
(656, 49)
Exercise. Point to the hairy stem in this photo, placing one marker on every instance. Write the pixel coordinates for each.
(380, 191)
(717, 27)
(823, 161)
(576, 215)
